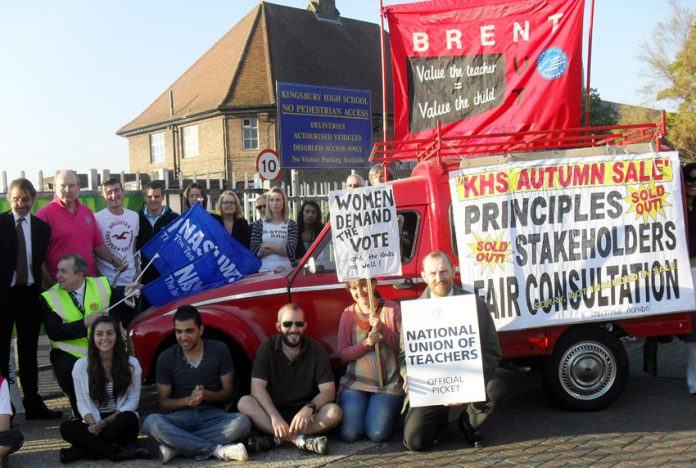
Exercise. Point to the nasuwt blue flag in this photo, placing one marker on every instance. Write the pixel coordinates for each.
(192, 235)
(199, 275)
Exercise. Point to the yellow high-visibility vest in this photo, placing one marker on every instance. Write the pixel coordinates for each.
(97, 297)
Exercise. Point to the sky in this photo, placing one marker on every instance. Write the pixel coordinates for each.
(74, 72)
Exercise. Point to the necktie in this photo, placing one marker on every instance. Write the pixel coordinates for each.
(73, 296)
(22, 266)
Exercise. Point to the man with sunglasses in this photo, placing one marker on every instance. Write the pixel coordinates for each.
(292, 388)
(260, 207)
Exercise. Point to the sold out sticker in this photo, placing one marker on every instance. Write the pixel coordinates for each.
(490, 252)
(647, 201)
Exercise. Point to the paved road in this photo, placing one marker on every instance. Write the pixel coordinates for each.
(653, 423)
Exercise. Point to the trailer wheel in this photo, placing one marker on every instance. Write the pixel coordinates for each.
(587, 370)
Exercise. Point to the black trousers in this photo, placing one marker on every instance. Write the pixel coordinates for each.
(123, 430)
(21, 309)
(63, 364)
(11, 438)
(423, 425)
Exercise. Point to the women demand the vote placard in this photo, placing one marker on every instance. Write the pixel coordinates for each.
(365, 232)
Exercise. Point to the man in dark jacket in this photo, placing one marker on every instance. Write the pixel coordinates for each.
(424, 424)
(153, 217)
(23, 243)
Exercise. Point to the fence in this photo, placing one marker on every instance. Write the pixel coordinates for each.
(297, 190)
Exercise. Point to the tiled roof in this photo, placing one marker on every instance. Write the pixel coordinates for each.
(272, 42)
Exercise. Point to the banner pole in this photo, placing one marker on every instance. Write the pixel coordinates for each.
(384, 74)
(589, 66)
(146, 267)
(370, 295)
(125, 298)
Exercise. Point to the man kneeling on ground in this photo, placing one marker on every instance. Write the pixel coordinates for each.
(292, 388)
(194, 384)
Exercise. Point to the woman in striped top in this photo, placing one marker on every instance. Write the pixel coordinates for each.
(107, 386)
(274, 236)
(370, 405)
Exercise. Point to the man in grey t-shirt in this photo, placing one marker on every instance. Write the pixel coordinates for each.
(194, 385)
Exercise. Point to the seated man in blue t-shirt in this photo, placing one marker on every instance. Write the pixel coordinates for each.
(194, 385)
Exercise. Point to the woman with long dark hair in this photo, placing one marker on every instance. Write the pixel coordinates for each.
(309, 226)
(107, 387)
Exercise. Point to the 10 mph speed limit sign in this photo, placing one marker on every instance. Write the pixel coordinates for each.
(268, 164)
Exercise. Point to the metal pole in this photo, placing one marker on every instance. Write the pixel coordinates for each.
(384, 72)
(589, 66)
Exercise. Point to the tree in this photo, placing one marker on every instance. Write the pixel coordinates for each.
(672, 59)
(601, 112)
(637, 114)
(683, 90)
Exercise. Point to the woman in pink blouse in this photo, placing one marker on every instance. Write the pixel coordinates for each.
(369, 408)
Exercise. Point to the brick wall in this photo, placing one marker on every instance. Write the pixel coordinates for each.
(245, 160)
(139, 153)
(211, 149)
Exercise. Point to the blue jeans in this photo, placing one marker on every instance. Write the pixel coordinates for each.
(371, 414)
(195, 432)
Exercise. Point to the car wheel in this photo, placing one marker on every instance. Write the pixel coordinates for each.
(587, 370)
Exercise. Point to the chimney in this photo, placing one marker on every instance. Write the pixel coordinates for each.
(324, 9)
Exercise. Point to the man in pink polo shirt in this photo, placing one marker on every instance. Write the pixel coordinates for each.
(73, 227)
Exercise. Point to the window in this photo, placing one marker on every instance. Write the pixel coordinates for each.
(408, 227)
(157, 154)
(190, 141)
(250, 133)
(324, 256)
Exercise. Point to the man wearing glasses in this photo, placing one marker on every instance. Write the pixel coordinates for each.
(260, 207)
(23, 245)
(284, 402)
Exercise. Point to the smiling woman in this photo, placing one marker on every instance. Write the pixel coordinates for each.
(107, 386)
(364, 340)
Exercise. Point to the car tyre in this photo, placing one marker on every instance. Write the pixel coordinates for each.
(587, 370)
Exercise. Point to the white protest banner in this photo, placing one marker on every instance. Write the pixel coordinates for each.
(443, 350)
(579, 239)
(365, 232)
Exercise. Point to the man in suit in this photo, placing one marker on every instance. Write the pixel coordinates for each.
(68, 310)
(23, 243)
(424, 424)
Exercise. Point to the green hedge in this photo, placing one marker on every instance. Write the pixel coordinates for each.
(133, 201)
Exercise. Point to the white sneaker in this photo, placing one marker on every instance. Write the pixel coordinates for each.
(167, 453)
(231, 452)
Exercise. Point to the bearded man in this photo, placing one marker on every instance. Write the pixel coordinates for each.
(284, 404)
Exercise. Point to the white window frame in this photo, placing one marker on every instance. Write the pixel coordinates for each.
(189, 141)
(158, 152)
(250, 133)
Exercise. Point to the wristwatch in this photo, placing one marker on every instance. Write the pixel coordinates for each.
(313, 407)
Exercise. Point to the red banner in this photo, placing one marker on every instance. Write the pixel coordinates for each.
(485, 66)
